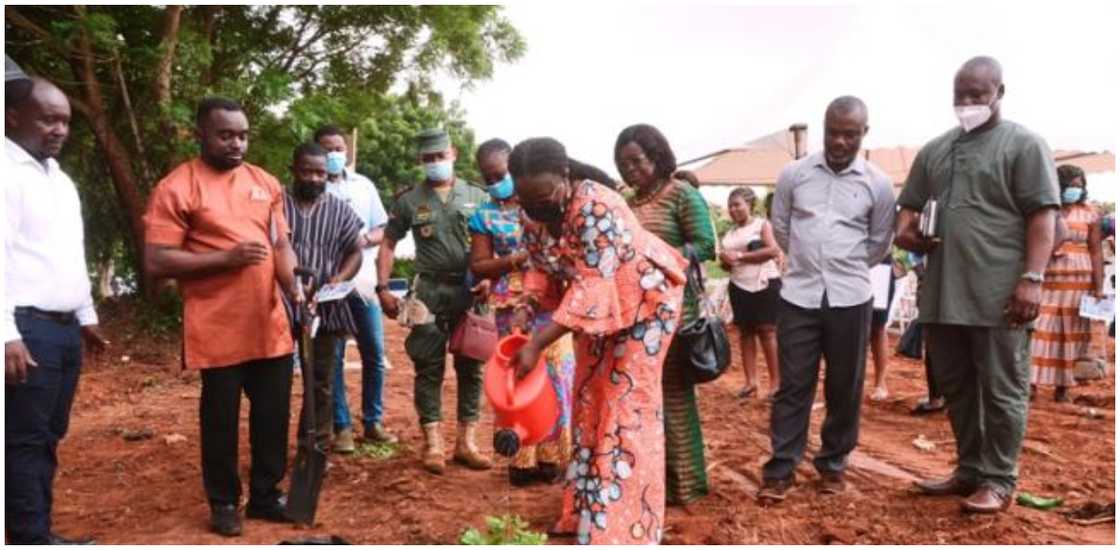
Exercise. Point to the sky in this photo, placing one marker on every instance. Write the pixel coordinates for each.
(712, 76)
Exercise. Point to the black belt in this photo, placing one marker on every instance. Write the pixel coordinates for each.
(60, 317)
(443, 277)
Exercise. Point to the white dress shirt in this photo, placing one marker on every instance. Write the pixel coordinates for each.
(362, 196)
(44, 252)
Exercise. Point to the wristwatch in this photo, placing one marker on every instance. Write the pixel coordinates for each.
(1032, 276)
(380, 288)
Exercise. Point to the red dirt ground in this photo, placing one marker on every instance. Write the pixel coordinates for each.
(150, 491)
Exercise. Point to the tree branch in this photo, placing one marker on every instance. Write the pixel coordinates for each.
(168, 42)
(12, 14)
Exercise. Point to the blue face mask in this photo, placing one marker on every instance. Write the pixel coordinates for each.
(336, 162)
(503, 189)
(1072, 195)
(438, 171)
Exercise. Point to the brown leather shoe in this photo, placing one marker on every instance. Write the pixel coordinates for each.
(986, 500)
(832, 483)
(951, 485)
(774, 490)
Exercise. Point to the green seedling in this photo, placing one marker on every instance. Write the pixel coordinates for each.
(377, 451)
(507, 529)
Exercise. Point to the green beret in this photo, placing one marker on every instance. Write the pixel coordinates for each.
(432, 140)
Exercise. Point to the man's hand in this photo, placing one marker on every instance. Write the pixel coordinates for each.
(1023, 307)
(95, 343)
(390, 304)
(17, 360)
(247, 253)
(912, 239)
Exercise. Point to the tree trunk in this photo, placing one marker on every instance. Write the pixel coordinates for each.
(169, 40)
(117, 156)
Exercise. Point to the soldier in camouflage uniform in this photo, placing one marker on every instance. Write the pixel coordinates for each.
(436, 212)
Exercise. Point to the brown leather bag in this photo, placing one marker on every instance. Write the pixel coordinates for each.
(476, 336)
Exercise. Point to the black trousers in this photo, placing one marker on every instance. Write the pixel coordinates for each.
(804, 335)
(268, 384)
(36, 416)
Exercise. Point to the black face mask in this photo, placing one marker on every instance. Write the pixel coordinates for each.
(308, 191)
(549, 212)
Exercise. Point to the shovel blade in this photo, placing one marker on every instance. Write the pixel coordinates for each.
(307, 482)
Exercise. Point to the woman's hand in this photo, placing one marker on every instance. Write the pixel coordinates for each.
(728, 257)
(523, 318)
(526, 359)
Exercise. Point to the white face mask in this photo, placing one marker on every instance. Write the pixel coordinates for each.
(972, 117)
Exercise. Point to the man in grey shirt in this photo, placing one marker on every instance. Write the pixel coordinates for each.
(833, 215)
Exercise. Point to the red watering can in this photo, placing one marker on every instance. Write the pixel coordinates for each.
(526, 410)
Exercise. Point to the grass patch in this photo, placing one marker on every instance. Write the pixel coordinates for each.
(507, 529)
(377, 451)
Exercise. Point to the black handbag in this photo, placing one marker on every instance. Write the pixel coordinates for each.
(910, 343)
(704, 343)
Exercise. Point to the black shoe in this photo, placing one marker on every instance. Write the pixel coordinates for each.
(522, 477)
(54, 538)
(774, 490)
(276, 511)
(224, 520)
(927, 407)
(549, 473)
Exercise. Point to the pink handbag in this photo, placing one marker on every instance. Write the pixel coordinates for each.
(476, 336)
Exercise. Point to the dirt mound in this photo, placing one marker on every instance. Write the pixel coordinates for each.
(129, 469)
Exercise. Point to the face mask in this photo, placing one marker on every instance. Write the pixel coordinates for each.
(503, 189)
(438, 171)
(972, 117)
(1072, 195)
(550, 212)
(308, 191)
(336, 162)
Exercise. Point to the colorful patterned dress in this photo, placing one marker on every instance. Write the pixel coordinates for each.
(1061, 336)
(678, 214)
(619, 289)
(503, 227)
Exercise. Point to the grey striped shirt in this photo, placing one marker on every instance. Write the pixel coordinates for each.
(321, 238)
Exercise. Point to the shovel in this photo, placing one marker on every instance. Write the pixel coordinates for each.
(311, 459)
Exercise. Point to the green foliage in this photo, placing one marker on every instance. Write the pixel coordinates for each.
(403, 268)
(377, 451)
(293, 67)
(507, 529)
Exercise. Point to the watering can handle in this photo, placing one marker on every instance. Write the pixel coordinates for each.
(510, 381)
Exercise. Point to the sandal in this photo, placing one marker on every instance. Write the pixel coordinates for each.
(880, 394)
(748, 393)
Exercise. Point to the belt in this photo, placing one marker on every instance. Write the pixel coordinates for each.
(60, 317)
(443, 277)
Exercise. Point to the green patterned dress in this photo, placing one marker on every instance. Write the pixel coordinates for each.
(678, 214)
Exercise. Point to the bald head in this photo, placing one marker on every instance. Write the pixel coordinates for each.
(983, 67)
(847, 106)
(40, 123)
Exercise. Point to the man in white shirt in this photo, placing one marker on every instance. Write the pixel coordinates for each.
(362, 196)
(48, 309)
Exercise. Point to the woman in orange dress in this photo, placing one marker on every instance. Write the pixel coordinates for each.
(618, 289)
(1061, 336)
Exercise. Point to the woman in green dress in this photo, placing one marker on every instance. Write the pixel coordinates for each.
(677, 213)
